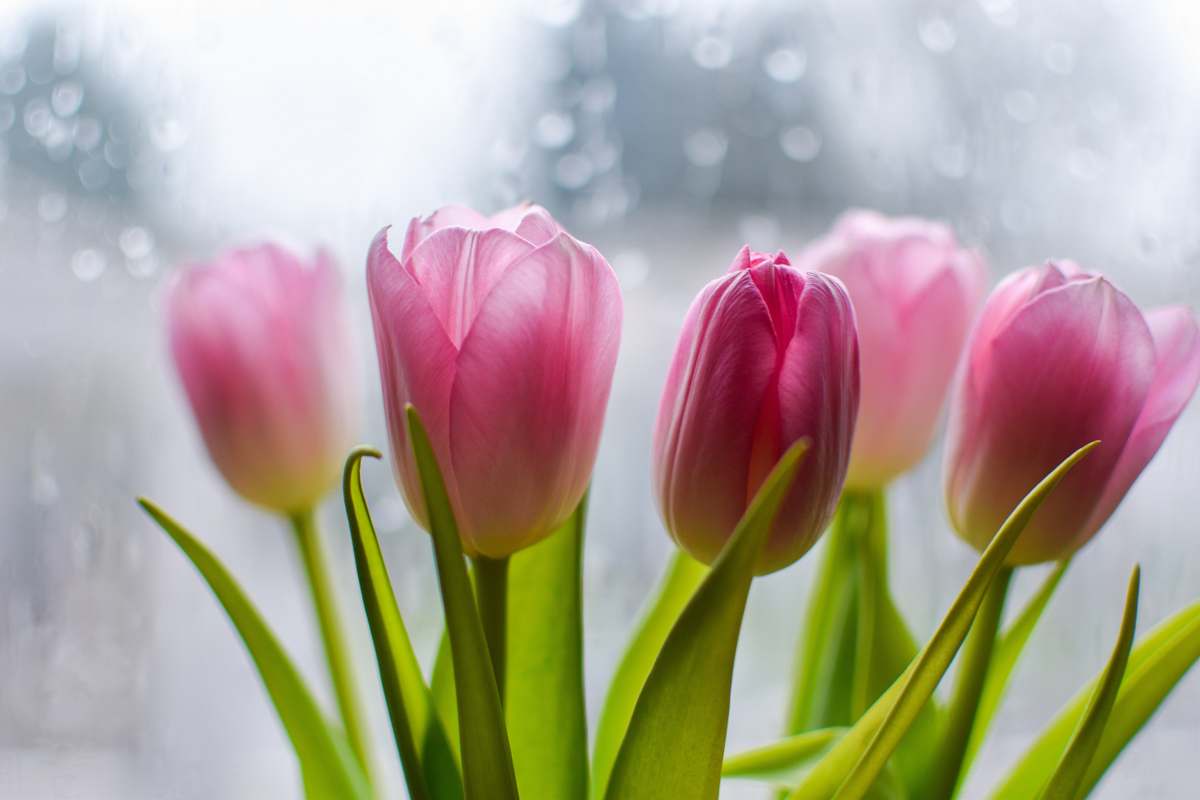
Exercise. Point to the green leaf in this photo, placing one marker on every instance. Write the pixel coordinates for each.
(825, 657)
(1158, 662)
(679, 584)
(429, 766)
(327, 765)
(445, 703)
(1068, 776)
(547, 719)
(676, 736)
(1004, 661)
(856, 760)
(782, 763)
(486, 757)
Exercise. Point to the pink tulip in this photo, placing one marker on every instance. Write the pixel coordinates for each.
(502, 332)
(915, 291)
(768, 355)
(1061, 357)
(261, 344)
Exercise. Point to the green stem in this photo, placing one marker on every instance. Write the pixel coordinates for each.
(973, 666)
(491, 593)
(316, 566)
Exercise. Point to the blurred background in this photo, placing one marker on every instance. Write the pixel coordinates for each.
(137, 135)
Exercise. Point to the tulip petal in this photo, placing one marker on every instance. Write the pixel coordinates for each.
(818, 397)
(416, 364)
(529, 394)
(458, 267)
(1071, 365)
(421, 228)
(1177, 371)
(721, 372)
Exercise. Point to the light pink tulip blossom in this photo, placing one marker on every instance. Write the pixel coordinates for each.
(915, 292)
(261, 343)
(768, 355)
(1061, 357)
(502, 332)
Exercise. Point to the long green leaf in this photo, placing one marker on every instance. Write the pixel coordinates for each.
(782, 763)
(1069, 774)
(857, 759)
(1004, 661)
(1157, 664)
(676, 736)
(327, 765)
(486, 757)
(547, 718)
(430, 770)
(445, 702)
(683, 575)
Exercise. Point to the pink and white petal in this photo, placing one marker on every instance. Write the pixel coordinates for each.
(537, 226)
(416, 364)
(528, 400)
(452, 216)
(1072, 365)
(706, 447)
(456, 268)
(1177, 372)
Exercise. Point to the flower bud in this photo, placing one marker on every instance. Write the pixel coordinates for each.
(1061, 357)
(502, 332)
(261, 344)
(915, 291)
(767, 356)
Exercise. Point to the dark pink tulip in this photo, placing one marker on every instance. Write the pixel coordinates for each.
(502, 332)
(767, 356)
(260, 341)
(1058, 358)
(915, 291)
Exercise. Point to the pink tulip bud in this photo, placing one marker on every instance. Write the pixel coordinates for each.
(1058, 358)
(261, 344)
(768, 355)
(915, 291)
(502, 332)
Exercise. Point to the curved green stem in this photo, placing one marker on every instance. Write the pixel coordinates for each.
(491, 594)
(308, 539)
(968, 688)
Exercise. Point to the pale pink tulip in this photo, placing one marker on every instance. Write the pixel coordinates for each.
(502, 332)
(261, 344)
(915, 292)
(767, 356)
(1058, 358)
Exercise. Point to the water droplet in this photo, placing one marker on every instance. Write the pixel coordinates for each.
(553, 130)
(66, 98)
(573, 171)
(950, 160)
(706, 147)
(800, 143)
(94, 173)
(143, 267)
(37, 117)
(12, 79)
(760, 231)
(1001, 12)
(1021, 105)
(167, 133)
(785, 65)
(937, 34)
(59, 140)
(52, 206)
(88, 264)
(556, 13)
(598, 95)
(711, 52)
(1060, 58)
(88, 132)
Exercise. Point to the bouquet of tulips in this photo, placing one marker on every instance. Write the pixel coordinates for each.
(796, 394)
